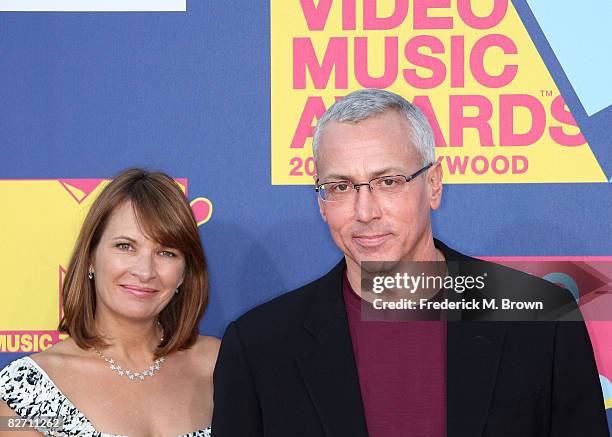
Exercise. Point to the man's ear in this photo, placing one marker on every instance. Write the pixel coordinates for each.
(319, 201)
(434, 179)
(321, 209)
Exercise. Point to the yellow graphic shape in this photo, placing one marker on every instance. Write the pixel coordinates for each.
(76, 193)
(80, 188)
(40, 224)
(473, 161)
(182, 183)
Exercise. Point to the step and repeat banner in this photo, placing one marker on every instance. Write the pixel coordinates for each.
(223, 96)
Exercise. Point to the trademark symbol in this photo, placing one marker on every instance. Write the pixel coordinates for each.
(546, 93)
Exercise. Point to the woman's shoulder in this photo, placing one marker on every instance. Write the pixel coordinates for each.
(26, 377)
(19, 374)
(208, 343)
(57, 356)
(28, 390)
(25, 387)
(204, 353)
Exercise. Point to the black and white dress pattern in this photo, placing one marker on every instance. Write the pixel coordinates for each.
(29, 391)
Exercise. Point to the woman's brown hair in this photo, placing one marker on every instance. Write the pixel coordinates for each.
(164, 215)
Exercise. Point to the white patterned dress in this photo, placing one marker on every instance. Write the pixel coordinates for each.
(29, 391)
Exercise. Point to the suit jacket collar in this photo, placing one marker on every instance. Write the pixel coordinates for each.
(328, 305)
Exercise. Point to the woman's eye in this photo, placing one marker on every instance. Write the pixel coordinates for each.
(124, 246)
(167, 253)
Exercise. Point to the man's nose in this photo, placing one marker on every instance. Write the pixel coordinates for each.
(366, 204)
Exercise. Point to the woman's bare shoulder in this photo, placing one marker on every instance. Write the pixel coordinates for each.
(205, 352)
(58, 355)
(50, 359)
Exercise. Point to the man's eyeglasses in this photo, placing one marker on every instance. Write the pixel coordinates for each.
(338, 191)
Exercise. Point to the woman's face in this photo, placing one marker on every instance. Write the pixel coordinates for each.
(134, 276)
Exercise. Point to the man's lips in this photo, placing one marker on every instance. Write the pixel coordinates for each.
(138, 291)
(370, 240)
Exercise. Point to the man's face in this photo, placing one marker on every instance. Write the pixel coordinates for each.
(372, 226)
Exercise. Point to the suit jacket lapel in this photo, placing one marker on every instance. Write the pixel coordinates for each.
(474, 350)
(328, 369)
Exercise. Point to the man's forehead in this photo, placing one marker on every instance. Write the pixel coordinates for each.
(368, 173)
(389, 126)
(350, 149)
(357, 164)
(388, 120)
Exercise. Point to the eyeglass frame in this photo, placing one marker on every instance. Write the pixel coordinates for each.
(357, 186)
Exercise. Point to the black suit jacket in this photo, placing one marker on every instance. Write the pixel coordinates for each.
(286, 369)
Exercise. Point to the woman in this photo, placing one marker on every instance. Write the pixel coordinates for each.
(134, 293)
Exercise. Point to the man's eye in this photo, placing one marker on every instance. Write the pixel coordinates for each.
(339, 188)
(389, 182)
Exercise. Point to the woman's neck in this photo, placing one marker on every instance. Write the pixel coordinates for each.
(131, 342)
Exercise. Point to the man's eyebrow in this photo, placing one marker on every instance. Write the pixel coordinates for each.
(385, 171)
(336, 177)
(391, 171)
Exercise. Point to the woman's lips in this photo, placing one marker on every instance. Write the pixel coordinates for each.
(139, 291)
(371, 240)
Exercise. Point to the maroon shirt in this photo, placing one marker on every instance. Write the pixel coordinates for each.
(402, 372)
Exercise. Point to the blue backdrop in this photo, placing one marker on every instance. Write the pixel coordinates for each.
(86, 95)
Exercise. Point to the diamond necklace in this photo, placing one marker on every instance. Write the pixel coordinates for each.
(133, 376)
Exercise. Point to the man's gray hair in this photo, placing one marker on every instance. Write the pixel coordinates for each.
(363, 104)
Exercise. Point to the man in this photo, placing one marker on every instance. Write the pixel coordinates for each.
(307, 364)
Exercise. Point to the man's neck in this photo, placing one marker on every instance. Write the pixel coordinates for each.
(353, 268)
